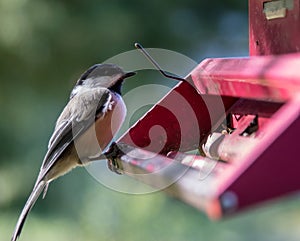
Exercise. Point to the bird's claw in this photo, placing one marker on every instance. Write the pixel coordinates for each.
(113, 158)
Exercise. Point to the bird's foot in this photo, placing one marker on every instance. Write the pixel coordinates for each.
(113, 156)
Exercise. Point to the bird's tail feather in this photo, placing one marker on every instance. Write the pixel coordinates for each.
(38, 188)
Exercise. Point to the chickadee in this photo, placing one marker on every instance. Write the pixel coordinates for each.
(95, 108)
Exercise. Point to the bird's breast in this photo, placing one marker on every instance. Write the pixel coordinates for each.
(97, 137)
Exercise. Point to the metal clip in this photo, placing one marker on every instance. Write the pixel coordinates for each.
(278, 8)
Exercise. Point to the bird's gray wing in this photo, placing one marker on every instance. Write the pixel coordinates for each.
(79, 114)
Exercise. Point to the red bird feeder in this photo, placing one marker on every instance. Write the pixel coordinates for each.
(245, 122)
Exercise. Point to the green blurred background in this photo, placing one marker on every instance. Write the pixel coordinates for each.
(44, 47)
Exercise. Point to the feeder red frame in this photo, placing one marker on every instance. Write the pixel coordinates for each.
(267, 85)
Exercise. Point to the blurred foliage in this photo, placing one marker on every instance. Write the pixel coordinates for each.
(44, 47)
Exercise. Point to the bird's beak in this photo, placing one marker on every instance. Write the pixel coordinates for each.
(128, 74)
